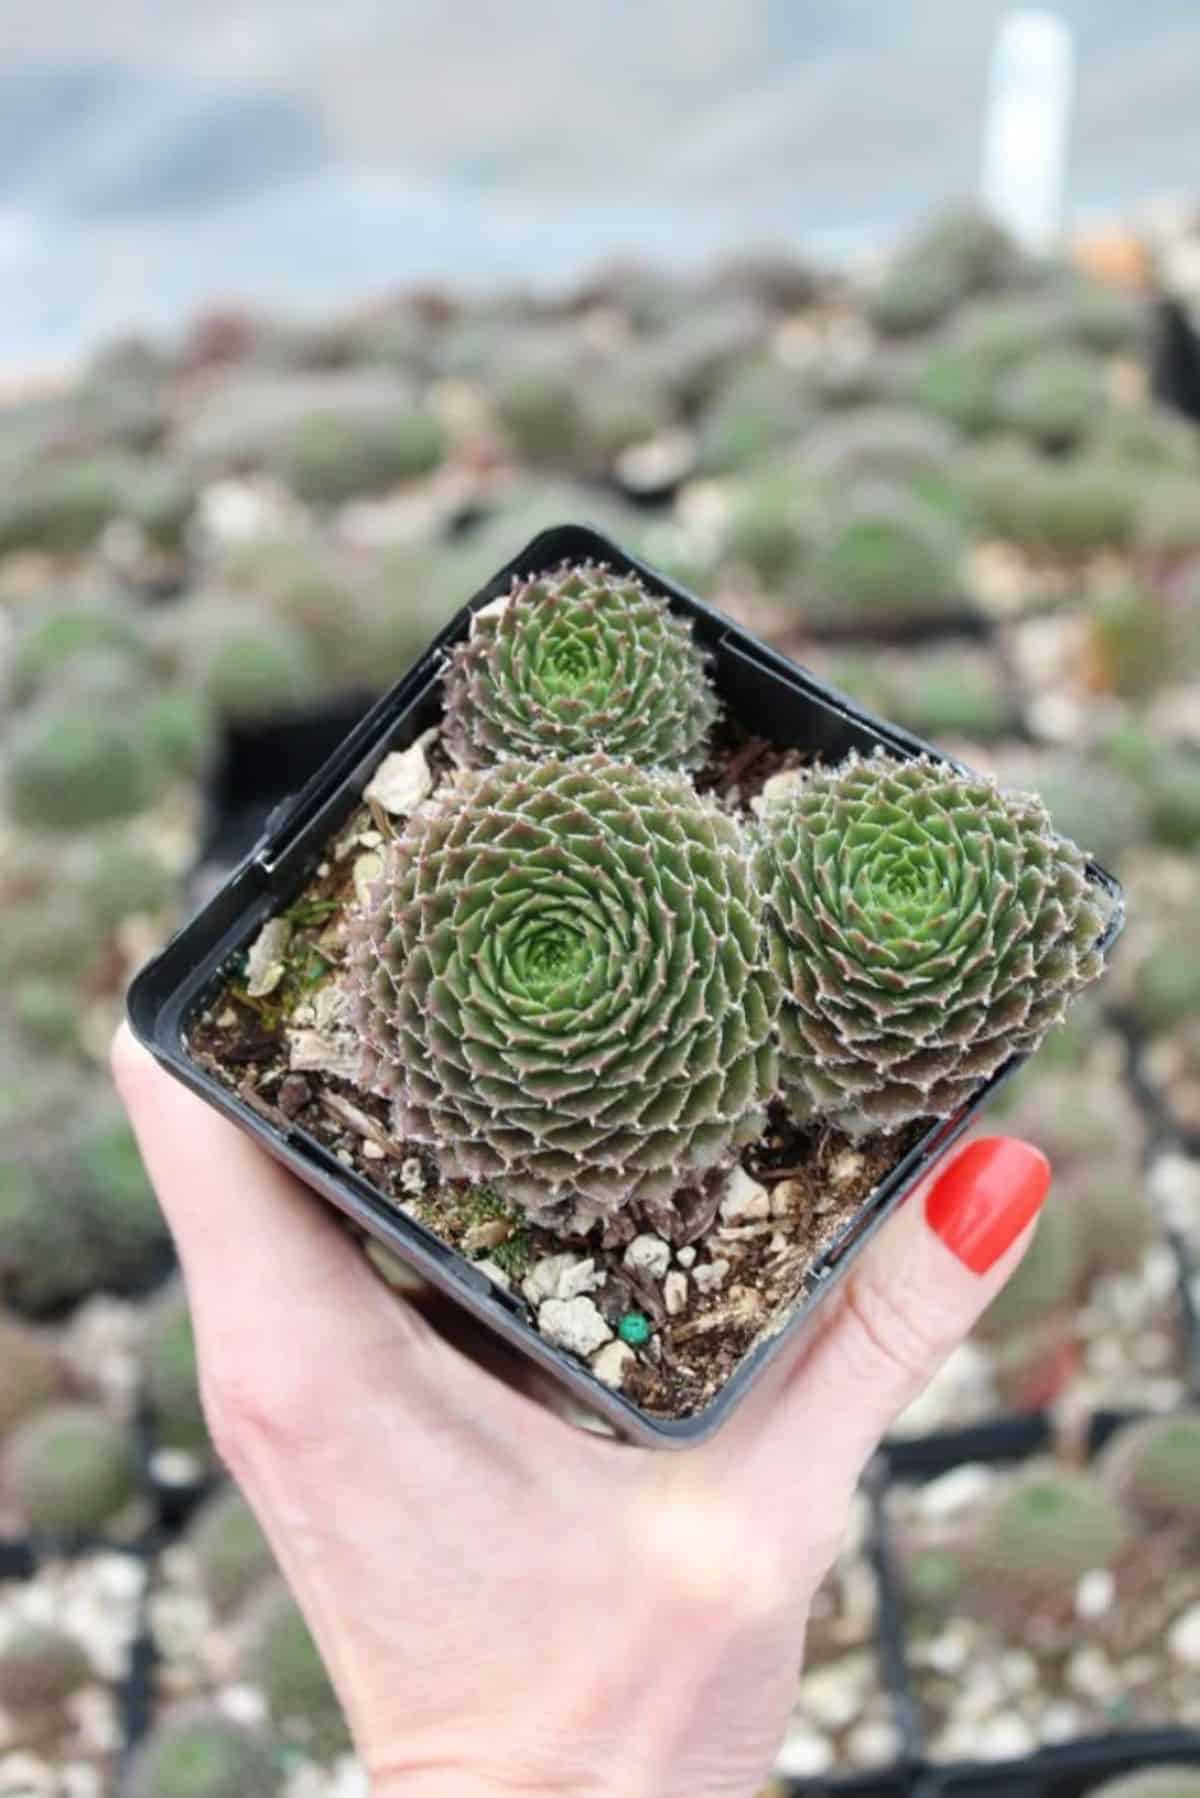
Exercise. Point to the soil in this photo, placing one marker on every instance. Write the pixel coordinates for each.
(729, 1281)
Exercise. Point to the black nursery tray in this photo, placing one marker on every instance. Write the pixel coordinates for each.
(758, 685)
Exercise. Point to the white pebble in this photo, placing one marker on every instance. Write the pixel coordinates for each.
(1060, 1722)
(573, 1324)
(1090, 1673)
(613, 1363)
(875, 1744)
(1094, 1594)
(947, 1652)
(744, 1198)
(675, 1292)
(648, 1255)
(1006, 1738)
(559, 1277)
(403, 779)
(955, 1491)
(834, 1696)
(1019, 1670)
(685, 1257)
(804, 1753)
(711, 1276)
(1183, 1638)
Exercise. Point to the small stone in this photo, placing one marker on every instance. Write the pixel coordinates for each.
(294, 1094)
(846, 1166)
(613, 1363)
(1183, 1638)
(804, 1753)
(947, 1652)
(573, 1324)
(787, 1198)
(373, 1151)
(649, 1255)
(833, 1696)
(744, 1199)
(956, 1491)
(777, 787)
(1060, 1722)
(367, 870)
(1094, 1594)
(874, 1744)
(560, 1277)
(675, 1292)
(1090, 1673)
(412, 1176)
(495, 1274)
(1005, 1738)
(488, 1235)
(264, 964)
(1019, 1670)
(402, 779)
(711, 1277)
(685, 1257)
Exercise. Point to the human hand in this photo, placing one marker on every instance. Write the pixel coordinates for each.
(508, 1604)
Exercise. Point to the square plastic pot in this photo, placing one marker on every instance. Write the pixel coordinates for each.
(780, 701)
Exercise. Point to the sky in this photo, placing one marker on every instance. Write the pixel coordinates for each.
(156, 155)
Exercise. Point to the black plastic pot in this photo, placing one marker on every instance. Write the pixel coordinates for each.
(756, 683)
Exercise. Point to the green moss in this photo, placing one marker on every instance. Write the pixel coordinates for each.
(69, 1470)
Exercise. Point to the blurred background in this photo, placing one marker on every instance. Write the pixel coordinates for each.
(874, 327)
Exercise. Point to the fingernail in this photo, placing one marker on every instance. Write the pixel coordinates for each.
(986, 1197)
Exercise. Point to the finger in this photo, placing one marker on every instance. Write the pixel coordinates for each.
(910, 1299)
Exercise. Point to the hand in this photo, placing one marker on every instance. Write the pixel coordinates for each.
(508, 1604)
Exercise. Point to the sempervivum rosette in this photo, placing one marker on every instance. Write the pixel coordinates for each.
(561, 985)
(925, 927)
(575, 661)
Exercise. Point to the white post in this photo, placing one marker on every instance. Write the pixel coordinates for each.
(1027, 127)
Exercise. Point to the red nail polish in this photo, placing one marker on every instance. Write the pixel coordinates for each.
(986, 1197)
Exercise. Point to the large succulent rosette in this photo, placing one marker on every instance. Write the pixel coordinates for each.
(925, 926)
(576, 661)
(561, 985)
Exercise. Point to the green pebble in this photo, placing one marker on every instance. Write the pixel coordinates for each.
(634, 1329)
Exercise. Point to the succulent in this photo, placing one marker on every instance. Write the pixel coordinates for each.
(204, 1754)
(64, 505)
(773, 525)
(45, 1012)
(1154, 442)
(283, 1661)
(540, 412)
(559, 985)
(1099, 806)
(759, 407)
(60, 636)
(915, 293)
(330, 457)
(886, 559)
(120, 1226)
(1055, 398)
(1167, 520)
(1133, 641)
(960, 386)
(1041, 1531)
(121, 880)
(30, 1376)
(1101, 318)
(949, 692)
(1154, 1466)
(1068, 509)
(1045, 1282)
(1167, 986)
(880, 443)
(583, 659)
(925, 926)
(249, 667)
(1152, 1782)
(231, 1552)
(40, 1668)
(68, 768)
(181, 730)
(69, 1469)
(171, 1377)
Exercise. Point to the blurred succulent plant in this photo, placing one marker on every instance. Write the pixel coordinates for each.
(891, 444)
(1097, 805)
(773, 525)
(1064, 508)
(583, 659)
(958, 254)
(64, 505)
(171, 1377)
(1154, 1467)
(1133, 640)
(232, 1555)
(885, 560)
(40, 1668)
(283, 1661)
(1167, 983)
(62, 634)
(1154, 442)
(1166, 524)
(248, 665)
(68, 768)
(577, 1010)
(69, 1470)
(958, 385)
(925, 927)
(204, 1754)
(1055, 398)
(760, 406)
(30, 1373)
(1040, 1532)
(1046, 1281)
(330, 457)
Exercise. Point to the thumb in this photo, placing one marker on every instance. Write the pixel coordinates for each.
(912, 1296)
